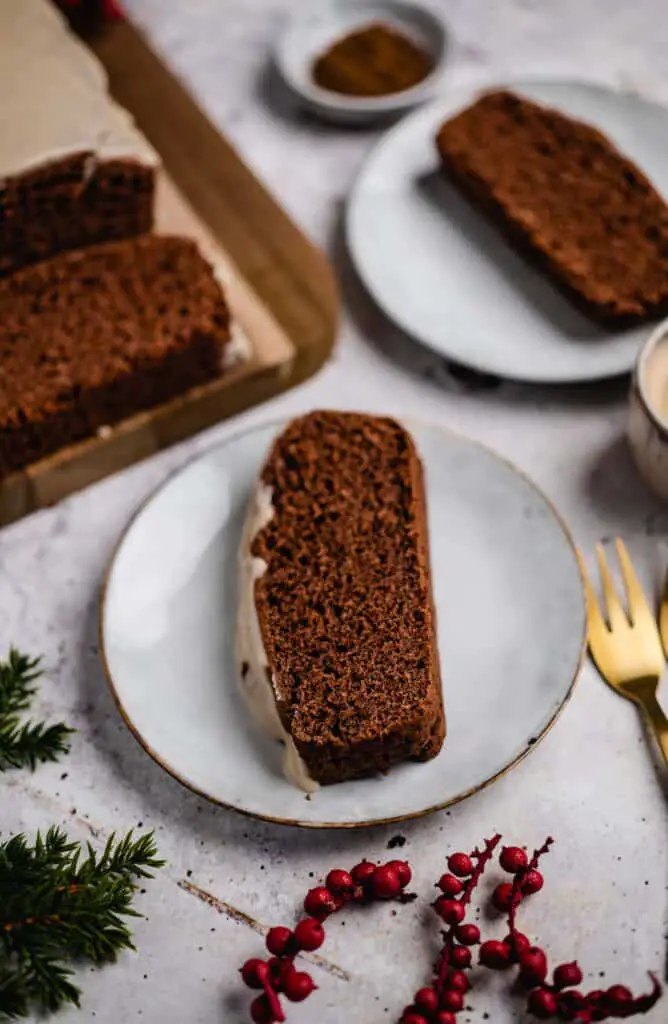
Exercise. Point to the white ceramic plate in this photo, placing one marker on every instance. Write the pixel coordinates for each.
(445, 275)
(317, 26)
(511, 633)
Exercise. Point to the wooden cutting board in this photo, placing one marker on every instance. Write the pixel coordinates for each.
(281, 288)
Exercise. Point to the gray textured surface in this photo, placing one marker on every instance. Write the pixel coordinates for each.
(591, 783)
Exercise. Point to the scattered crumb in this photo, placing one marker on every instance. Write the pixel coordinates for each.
(396, 842)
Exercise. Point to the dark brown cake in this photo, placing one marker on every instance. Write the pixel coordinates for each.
(91, 337)
(561, 191)
(60, 206)
(345, 604)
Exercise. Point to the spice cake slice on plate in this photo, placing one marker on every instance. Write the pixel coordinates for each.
(562, 192)
(91, 337)
(337, 633)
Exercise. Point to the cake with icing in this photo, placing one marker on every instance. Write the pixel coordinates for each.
(336, 637)
(74, 169)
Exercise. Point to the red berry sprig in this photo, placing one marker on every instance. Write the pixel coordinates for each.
(439, 1002)
(561, 999)
(277, 976)
(442, 1000)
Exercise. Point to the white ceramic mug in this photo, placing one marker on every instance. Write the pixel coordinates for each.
(648, 411)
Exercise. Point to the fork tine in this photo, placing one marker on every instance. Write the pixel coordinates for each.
(616, 615)
(595, 621)
(638, 605)
(663, 616)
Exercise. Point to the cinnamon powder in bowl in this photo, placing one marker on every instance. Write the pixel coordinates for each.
(376, 60)
(358, 61)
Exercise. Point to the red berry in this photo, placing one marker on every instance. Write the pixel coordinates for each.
(617, 998)
(502, 897)
(468, 934)
(567, 975)
(403, 869)
(297, 986)
(450, 885)
(339, 883)
(411, 1016)
(513, 859)
(427, 1000)
(254, 973)
(568, 1004)
(458, 981)
(277, 969)
(320, 903)
(261, 1012)
(517, 944)
(533, 966)
(532, 882)
(460, 864)
(450, 911)
(362, 872)
(452, 1000)
(542, 1004)
(495, 955)
(385, 883)
(278, 940)
(460, 956)
(445, 1017)
(309, 934)
(596, 1004)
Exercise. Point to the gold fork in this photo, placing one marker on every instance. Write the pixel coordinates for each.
(627, 648)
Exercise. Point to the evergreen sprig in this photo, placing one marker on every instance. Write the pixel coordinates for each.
(61, 903)
(23, 745)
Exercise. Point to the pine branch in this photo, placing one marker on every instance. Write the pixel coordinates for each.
(24, 745)
(60, 904)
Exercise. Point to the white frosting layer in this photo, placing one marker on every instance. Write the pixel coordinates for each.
(255, 674)
(53, 95)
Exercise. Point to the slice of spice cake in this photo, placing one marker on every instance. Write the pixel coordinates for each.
(337, 631)
(91, 337)
(563, 193)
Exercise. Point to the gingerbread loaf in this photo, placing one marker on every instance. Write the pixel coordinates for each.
(74, 169)
(567, 198)
(91, 337)
(337, 631)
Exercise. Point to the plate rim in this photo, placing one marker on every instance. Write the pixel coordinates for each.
(451, 102)
(335, 825)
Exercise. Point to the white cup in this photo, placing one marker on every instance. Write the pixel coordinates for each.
(648, 411)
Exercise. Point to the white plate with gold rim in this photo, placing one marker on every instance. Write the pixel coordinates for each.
(511, 624)
(446, 276)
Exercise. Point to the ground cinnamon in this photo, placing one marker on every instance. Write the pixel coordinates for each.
(373, 61)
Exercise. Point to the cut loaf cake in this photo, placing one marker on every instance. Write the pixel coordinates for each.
(74, 169)
(91, 337)
(337, 633)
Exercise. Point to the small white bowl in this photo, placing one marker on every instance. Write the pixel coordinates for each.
(312, 32)
(648, 411)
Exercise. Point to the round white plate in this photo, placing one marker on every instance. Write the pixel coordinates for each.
(317, 26)
(511, 620)
(444, 274)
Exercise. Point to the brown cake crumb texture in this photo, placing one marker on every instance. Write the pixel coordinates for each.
(91, 337)
(562, 191)
(71, 203)
(375, 60)
(345, 603)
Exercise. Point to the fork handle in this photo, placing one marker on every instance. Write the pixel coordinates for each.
(657, 721)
